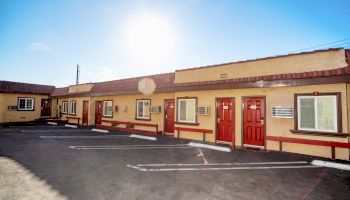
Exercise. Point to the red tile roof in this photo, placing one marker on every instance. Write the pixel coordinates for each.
(60, 92)
(312, 74)
(164, 83)
(25, 88)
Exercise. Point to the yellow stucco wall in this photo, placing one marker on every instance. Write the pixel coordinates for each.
(79, 112)
(281, 96)
(7, 99)
(129, 114)
(290, 64)
(80, 88)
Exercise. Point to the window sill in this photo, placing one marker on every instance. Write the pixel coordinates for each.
(70, 114)
(142, 119)
(187, 123)
(318, 133)
(107, 116)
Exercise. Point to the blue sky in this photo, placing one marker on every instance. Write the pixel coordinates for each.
(43, 41)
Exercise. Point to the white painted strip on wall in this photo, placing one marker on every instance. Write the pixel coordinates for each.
(143, 137)
(322, 163)
(221, 168)
(71, 126)
(82, 137)
(223, 164)
(52, 123)
(100, 130)
(207, 146)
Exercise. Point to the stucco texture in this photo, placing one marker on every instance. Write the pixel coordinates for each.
(289, 64)
(280, 96)
(7, 99)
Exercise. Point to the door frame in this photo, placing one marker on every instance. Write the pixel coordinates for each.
(233, 121)
(242, 118)
(96, 108)
(88, 113)
(41, 108)
(164, 119)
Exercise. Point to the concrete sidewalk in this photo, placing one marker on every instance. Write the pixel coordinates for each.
(16, 182)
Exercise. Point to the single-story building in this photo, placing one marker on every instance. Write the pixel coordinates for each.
(296, 103)
(22, 102)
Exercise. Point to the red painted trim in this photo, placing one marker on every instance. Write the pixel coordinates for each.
(310, 142)
(193, 130)
(129, 130)
(129, 123)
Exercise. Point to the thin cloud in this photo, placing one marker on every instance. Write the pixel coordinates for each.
(37, 46)
(96, 75)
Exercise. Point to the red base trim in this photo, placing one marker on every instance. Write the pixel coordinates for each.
(193, 130)
(129, 130)
(310, 142)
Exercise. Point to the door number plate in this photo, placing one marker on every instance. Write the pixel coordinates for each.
(253, 107)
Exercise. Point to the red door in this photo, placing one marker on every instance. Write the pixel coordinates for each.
(98, 113)
(225, 111)
(169, 116)
(254, 121)
(45, 108)
(85, 112)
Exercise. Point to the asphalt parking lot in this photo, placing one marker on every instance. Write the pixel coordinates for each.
(81, 164)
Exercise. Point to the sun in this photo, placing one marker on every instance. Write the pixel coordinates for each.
(149, 38)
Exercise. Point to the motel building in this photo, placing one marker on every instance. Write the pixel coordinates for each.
(298, 103)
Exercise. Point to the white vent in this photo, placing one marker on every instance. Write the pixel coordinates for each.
(155, 109)
(12, 107)
(203, 110)
(282, 112)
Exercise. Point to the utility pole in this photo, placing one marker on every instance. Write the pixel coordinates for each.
(78, 73)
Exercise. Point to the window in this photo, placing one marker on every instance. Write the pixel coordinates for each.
(25, 103)
(317, 113)
(142, 109)
(73, 108)
(186, 110)
(65, 107)
(108, 108)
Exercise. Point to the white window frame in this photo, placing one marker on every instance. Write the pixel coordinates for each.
(335, 117)
(179, 110)
(104, 104)
(26, 108)
(71, 103)
(64, 108)
(143, 105)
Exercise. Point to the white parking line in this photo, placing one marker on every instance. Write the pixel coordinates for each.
(99, 130)
(49, 131)
(82, 137)
(223, 164)
(207, 146)
(52, 123)
(322, 163)
(131, 147)
(71, 126)
(219, 168)
(143, 137)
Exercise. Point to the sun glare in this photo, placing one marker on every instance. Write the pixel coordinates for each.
(149, 38)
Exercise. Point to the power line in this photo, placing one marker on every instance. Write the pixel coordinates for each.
(320, 45)
(342, 44)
